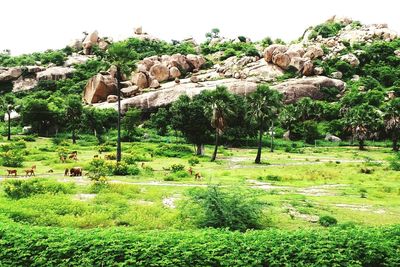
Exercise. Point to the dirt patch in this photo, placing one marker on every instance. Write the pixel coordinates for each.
(84, 197)
(366, 208)
(320, 190)
(293, 213)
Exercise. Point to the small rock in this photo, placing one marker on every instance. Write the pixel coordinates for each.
(112, 99)
(177, 81)
(154, 84)
(194, 79)
(337, 75)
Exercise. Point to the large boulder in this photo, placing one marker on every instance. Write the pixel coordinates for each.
(174, 72)
(99, 87)
(332, 138)
(10, 74)
(55, 73)
(313, 52)
(295, 89)
(271, 50)
(159, 72)
(130, 91)
(89, 42)
(195, 61)
(281, 59)
(140, 79)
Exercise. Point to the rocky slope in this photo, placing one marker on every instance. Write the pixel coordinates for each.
(159, 80)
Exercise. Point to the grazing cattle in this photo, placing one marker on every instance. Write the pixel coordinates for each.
(50, 171)
(75, 171)
(29, 172)
(197, 176)
(190, 170)
(62, 158)
(66, 172)
(73, 155)
(12, 172)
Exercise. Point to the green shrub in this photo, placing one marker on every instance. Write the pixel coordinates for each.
(17, 189)
(394, 162)
(173, 150)
(270, 177)
(235, 210)
(11, 159)
(23, 245)
(133, 170)
(327, 221)
(193, 161)
(177, 167)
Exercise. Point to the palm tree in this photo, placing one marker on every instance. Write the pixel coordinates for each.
(221, 107)
(264, 105)
(117, 54)
(392, 121)
(361, 121)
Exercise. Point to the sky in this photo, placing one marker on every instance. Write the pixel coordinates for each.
(28, 26)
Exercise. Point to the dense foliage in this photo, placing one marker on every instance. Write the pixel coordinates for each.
(35, 246)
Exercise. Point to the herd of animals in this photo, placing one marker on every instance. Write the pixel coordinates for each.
(78, 171)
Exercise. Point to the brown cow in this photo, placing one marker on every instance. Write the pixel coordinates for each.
(29, 172)
(190, 170)
(75, 171)
(12, 172)
(63, 159)
(197, 176)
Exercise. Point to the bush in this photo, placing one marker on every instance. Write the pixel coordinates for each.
(394, 162)
(173, 151)
(17, 189)
(327, 221)
(48, 246)
(11, 159)
(193, 161)
(177, 167)
(237, 210)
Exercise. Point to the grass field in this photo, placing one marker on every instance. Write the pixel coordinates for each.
(296, 188)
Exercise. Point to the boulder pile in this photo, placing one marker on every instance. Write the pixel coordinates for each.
(153, 70)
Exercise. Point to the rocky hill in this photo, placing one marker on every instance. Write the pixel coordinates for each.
(326, 58)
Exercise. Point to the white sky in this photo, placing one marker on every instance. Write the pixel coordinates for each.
(36, 25)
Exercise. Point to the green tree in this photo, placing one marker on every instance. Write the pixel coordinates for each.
(36, 112)
(189, 117)
(131, 120)
(160, 121)
(74, 112)
(361, 121)
(264, 106)
(5, 105)
(99, 120)
(392, 121)
(220, 108)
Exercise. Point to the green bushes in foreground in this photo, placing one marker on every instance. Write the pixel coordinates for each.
(39, 246)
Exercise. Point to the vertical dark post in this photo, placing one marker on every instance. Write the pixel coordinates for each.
(272, 136)
(119, 115)
(9, 125)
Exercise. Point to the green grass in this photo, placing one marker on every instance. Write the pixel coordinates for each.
(319, 181)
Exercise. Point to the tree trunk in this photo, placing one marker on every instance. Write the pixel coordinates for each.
(361, 145)
(9, 126)
(272, 136)
(258, 157)
(73, 137)
(395, 146)
(199, 149)
(119, 150)
(214, 156)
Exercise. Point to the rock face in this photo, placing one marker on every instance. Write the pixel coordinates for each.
(24, 84)
(55, 73)
(99, 87)
(293, 56)
(170, 92)
(10, 74)
(294, 89)
(76, 59)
